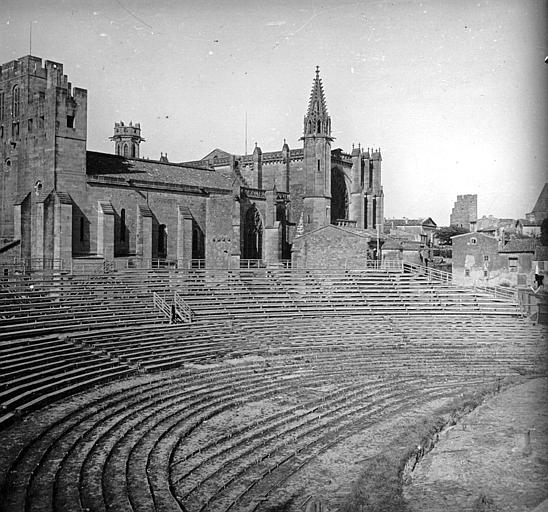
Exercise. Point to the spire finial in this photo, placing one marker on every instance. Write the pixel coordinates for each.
(317, 71)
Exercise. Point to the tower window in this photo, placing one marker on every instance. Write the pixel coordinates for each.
(70, 121)
(15, 98)
(15, 130)
(1, 132)
(319, 127)
(126, 150)
(133, 150)
(2, 108)
(29, 125)
(319, 167)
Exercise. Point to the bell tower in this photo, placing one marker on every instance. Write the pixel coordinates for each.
(317, 159)
(127, 139)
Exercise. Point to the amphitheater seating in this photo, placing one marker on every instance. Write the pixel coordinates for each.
(276, 368)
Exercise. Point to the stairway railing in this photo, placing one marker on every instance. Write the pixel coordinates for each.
(161, 305)
(182, 309)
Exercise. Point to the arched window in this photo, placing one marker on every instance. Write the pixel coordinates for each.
(123, 224)
(319, 128)
(253, 235)
(162, 241)
(339, 196)
(126, 150)
(118, 149)
(133, 150)
(15, 99)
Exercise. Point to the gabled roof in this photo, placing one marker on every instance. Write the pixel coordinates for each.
(362, 233)
(520, 245)
(216, 153)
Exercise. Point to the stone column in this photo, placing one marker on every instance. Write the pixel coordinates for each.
(184, 237)
(143, 244)
(62, 230)
(105, 230)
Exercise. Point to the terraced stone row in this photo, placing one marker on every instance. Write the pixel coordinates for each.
(107, 443)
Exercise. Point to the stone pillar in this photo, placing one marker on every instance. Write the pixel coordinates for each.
(37, 244)
(258, 166)
(105, 230)
(62, 230)
(270, 213)
(184, 237)
(273, 243)
(143, 244)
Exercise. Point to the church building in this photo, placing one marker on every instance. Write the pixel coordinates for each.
(60, 203)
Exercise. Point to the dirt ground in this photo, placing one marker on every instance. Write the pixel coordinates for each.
(497, 455)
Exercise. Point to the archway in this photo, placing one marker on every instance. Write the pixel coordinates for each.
(253, 235)
(339, 196)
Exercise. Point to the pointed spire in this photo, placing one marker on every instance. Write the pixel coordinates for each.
(317, 121)
(317, 104)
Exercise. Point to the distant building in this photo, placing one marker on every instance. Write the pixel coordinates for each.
(495, 226)
(517, 256)
(402, 250)
(528, 227)
(417, 230)
(475, 257)
(481, 259)
(465, 211)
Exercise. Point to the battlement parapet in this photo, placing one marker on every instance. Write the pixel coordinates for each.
(50, 71)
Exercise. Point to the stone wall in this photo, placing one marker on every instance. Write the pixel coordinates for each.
(330, 247)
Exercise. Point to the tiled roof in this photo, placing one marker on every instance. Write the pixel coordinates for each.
(124, 169)
(520, 245)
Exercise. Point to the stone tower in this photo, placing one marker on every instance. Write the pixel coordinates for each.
(317, 159)
(42, 156)
(465, 210)
(127, 139)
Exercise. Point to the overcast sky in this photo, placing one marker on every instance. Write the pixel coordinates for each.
(453, 92)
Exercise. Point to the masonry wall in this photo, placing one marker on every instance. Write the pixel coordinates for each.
(164, 207)
(330, 247)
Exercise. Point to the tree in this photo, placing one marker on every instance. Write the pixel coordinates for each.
(444, 234)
